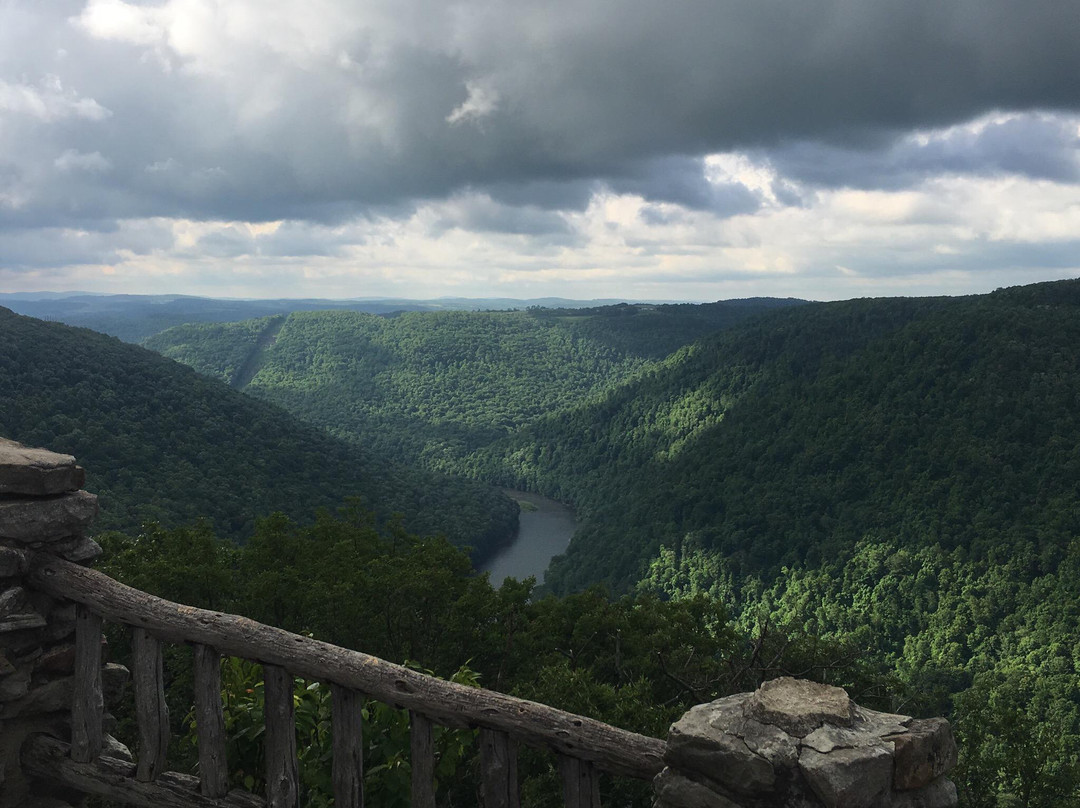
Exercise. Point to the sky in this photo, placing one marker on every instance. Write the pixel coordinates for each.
(681, 150)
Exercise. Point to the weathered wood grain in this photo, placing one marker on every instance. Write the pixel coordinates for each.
(210, 723)
(498, 770)
(581, 785)
(88, 703)
(282, 775)
(422, 760)
(348, 766)
(151, 713)
(47, 758)
(452, 705)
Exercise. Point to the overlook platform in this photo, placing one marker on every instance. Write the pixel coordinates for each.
(790, 743)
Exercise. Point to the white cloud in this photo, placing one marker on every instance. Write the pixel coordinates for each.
(122, 22)
(48, 101)
(72, 160)
(480, 103)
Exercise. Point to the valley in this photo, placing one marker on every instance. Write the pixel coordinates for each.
(880, 493)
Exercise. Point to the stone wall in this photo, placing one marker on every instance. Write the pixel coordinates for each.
(42, 510)
(800, 744)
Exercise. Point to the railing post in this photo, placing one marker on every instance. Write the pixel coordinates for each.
(581, 787)
(346, 721)
(151, 713)
(422, 760)
(210, 723)
(498, 770)
(282, 777)
(88, 703)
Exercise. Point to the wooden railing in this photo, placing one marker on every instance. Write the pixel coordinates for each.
(583, 745)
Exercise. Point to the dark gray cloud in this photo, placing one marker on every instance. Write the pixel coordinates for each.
(482, 214)
(39, 247)
(535, 103)
(1040, 146)
(682, 181)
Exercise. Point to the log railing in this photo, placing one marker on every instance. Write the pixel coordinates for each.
(584, 746)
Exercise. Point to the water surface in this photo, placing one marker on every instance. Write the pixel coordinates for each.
(543, 533)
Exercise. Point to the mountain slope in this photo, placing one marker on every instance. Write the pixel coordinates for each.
(433, 387)
(162, 443)
(790, 438)
(133, 318)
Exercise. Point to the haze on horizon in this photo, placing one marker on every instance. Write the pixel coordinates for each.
(589, 149)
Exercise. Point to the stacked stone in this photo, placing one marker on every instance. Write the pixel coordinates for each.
(42, 510)
(800, 744)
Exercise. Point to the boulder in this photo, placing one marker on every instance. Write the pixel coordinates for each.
(939, 794)
(37, 472)
(48, 519)
(12, 562)
(55, 696)
(923, 753)
(79, 550)
(799, 744)
(704, 742)
(772, 743)
(798, 706)
(676, 791)
(848, 778)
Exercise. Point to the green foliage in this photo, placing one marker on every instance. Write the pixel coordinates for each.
(637, 662)
(791, 436)
(993, 643)
(1016, 754)
(879, 494)
(163, 444)
(433, 387)
(387, 769)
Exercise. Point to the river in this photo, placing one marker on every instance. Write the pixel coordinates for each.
(545, 530)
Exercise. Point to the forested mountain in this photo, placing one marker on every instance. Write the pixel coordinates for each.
(434, 387)
(135, 317)
(792, 437)
(162, 443)
(884, 494)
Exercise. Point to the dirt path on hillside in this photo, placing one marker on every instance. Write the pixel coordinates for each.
(264, 342)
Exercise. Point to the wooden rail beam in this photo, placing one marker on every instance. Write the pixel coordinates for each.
(612, 749)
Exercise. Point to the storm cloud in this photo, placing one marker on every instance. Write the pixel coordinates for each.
(380, 121)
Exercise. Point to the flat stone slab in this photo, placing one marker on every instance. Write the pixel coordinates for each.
(12, 562)
(798, 706)
(925, 752)
(941, 793)
(705, 741)
(37, 472)
(848, 778)
(48, 519)
(675, 791)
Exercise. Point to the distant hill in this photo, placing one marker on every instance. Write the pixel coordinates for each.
(789, 438)
(133, 318)
(433, 387)
(162, 443)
